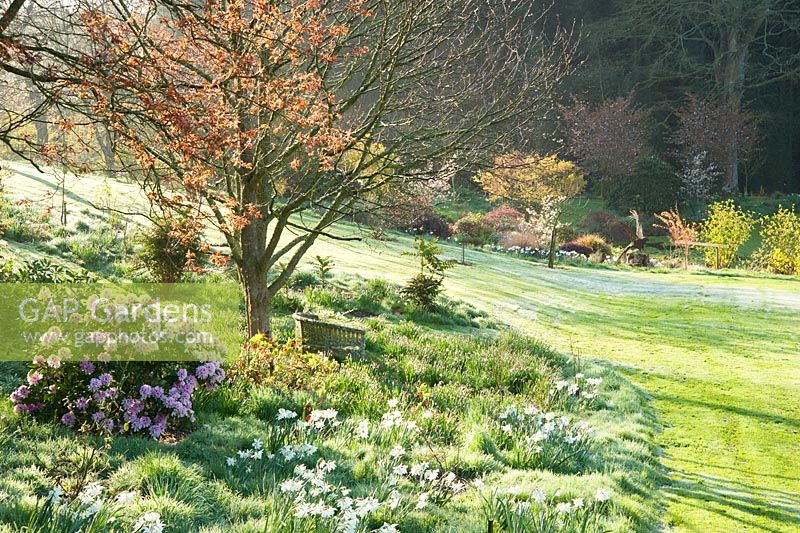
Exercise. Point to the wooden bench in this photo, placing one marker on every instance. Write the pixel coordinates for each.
(315, 335)
(716, 247)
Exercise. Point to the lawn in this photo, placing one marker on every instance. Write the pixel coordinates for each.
(715, 352)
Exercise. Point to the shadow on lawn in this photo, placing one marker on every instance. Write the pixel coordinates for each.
(730, 498)
(752, 505)
(56, 187)
(679, 324)
(732, 409)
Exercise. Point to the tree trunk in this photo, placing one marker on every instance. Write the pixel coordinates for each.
(552, 257)
(257, 303)
(42, 130)
(104, 141)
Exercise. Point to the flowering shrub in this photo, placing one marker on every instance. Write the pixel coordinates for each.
(504, 218)
(726, 224)
(780, 243)
(537, 512)
(701, 177)
(120, 398)
(534, 439)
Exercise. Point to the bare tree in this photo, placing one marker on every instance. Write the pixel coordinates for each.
(727, 45)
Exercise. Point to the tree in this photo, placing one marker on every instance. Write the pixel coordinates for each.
(700, 178)
(538, 183)
(608, 139)
(712, 126)
(722, 48)
(248, 114)
(652, 187)
(425, 287)
(9, 14)
(474, 229)
(504, 218)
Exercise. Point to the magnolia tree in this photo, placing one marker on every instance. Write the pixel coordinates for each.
(541, 184)
(271, 121)
(700, 178)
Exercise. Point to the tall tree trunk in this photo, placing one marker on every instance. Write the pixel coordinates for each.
(257, 302)
(733, 84)
(252, 267)
(731, 76)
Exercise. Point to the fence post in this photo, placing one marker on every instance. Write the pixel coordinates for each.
(491, 526)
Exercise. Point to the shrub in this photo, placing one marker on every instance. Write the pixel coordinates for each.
(595, 242)
(577, 248)
(681, 232)
(430, 224)
(701, 178)
(38, 271)
(167, 248)
(504, 218)
(473, 229)
(119, 397)
(780, 248)
(523, 239)
(422, 290)
(729, 225)
(652, 187)
(264, 361)
(405, 212)
(608, 226)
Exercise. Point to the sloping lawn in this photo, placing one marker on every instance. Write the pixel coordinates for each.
(453, 380)
(716, 352)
